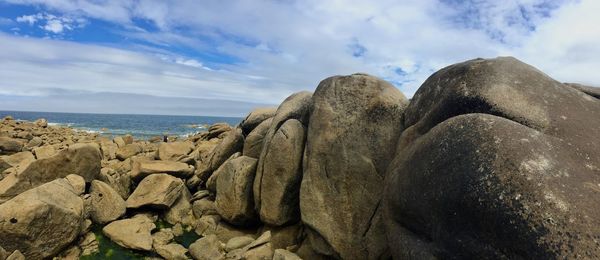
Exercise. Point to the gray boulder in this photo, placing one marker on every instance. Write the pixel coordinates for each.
(496, 162)
(354, 124)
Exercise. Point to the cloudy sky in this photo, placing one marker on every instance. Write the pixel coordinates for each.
(81, 56)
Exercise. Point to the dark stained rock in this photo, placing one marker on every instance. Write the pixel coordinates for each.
(496, 162)
(353, 127)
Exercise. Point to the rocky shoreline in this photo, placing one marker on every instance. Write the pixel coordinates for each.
(489, 159)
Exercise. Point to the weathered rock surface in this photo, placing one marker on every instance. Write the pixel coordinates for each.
(281, 175)
(22, 158)
(107, 204)
(172, 251)
(42, 221)
(503, 153)
(211, 183)
(253, 143)
(282, 254)
(231, 144)
(181, 210)
(10, 145)
(44, 152)
(131, 233)
(354, 124)
(234, 200)
(141, 169)
(256, 117)
(157, 190)
(207, 248)
(80, 159)
(128, 151)
(173, 151)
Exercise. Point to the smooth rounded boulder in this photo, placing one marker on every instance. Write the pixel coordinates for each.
(254, 141)
(107, 204)
(503, 153)
(256, 117)
(353, 127)
(234, 200)
(42, 221)
(282, 174)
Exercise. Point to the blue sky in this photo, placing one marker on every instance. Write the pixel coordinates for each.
(259, 52)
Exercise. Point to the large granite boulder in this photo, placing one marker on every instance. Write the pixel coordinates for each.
(297, 107)
(282, 174)
(234, 200)
(80, 159)
(157, 190)
(256, 117)
(232, 143)
(498, 161)
(354, 124)
(253, 143)
(41, 221)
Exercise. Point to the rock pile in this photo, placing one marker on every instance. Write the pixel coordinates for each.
(490, 159)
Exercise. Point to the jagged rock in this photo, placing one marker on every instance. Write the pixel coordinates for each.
(211, 183)
(16, 255)
(200, 195)
(234, 199)
(354, 124)
(256, 117)
(119, 182)
(128, 150)
(204, 207)
(42, 221)
(172, 251)
(181, 210)
(173, 151)
(133, 233)
(80, 159)
(295, 107)
(109, 150)
(107, 204)
(231, 144)
(254, 141)
(282, 254)
(281, 175)
(157, 190)
(10, 145)
(207, 248)
(141, 169)
(44, 152)
(496, 162)
(162, 237)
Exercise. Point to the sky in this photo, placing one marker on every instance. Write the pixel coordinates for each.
(198, 57)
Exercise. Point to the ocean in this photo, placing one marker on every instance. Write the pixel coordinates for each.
(140, 126)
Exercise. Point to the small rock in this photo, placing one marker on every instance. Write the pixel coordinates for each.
(42, 122)
(162, 237)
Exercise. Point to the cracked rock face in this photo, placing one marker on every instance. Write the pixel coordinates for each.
(496, 161)
(353, 126)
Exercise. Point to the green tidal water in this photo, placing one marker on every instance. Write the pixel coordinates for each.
(111, 250)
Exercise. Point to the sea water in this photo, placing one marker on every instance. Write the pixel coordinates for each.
(140, 126)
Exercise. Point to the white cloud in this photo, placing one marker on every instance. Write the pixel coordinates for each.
(30, 19)
(52, 23)
(54, 26)
(280, 47)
